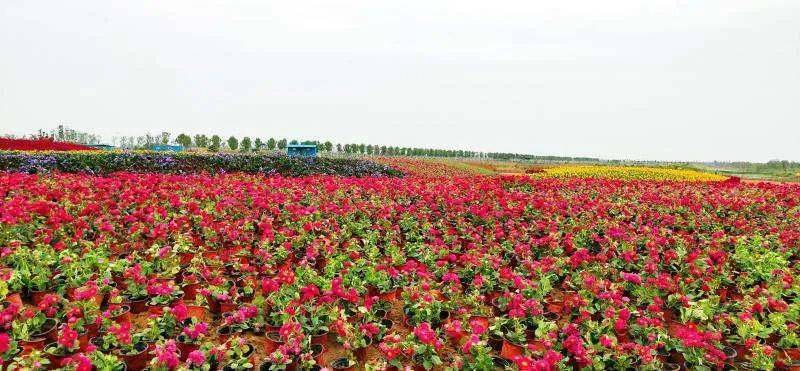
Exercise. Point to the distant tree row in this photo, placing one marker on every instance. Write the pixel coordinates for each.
(216, 143)
(247, 144)
(518, 156)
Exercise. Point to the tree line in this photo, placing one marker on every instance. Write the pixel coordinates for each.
(215, 143)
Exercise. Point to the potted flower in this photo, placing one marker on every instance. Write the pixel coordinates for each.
(10, 286)
(50, 305)
(165, 263)
(426, 343)
(789, 347)
(166, 358)
(196, 361)
(277, 361)
(9, 348)
(239, 355)
(220, 298)
(162, 293)
(130, 348)
(76, 362)
(762, 357)
(512, 331)
(66, 345)
(237, 321)
(191, 337)
(33, 329)
(135, 291)
(480, 358)
(344, 363)
(35, 360)
(117, 312)
(106, 361)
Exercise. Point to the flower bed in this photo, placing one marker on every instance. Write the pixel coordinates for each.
(154, 162)
(40, 145)
(627, 173)
(245, 271)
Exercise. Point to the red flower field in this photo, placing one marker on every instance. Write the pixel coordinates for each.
(40, 145)
(196, 272)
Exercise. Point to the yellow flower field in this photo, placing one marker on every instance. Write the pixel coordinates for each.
(627, 173)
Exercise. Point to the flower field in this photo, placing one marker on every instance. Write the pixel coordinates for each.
(105, 162)
(628, 173)
(40, 145)
(241, 271)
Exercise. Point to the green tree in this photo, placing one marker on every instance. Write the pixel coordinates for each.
(282, 144)
(338, 147)
(246, 144)
(233, 143)
(271, 144)
(184, 140)
(216, 142)
(200, 140)
(328, 146)
(258, 144)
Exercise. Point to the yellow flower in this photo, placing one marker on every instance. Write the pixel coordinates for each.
(628, 173)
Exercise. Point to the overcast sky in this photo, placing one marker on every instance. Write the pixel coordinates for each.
(654, 79)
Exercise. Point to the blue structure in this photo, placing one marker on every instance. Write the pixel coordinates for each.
(166, 148)
(104, 147)
(301, 150)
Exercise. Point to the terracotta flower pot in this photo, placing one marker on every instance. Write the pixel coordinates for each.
(136, 361)
(190, 291)
(495, 342)
(343, 364)
(791, 353)
(224, 333)
(228, 307)
(38, 296)
(15, 298)
(511, 350)
(267, 366)
(186, 348)
(198, 312)
(272, 341)
(483, 321)
(38, 340)
(361, 353)
(318, 352)
(156, 310)
(33, 344)
(55, 359)
(186, 258)
(138, 305)
(123, 315)
(320, 338)
(213, 304)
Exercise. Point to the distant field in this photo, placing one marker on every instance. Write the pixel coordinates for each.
(769, 171)
(628, 173)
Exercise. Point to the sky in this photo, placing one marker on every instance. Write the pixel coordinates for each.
(625, 79)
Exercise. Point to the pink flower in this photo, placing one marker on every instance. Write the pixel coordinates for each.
(4, 342)
(86, 292)
(196, 358)
(180, 312)
(67, 337)
(79, 361)
(425, 334)
(631, 277)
